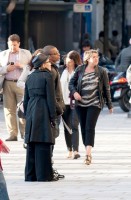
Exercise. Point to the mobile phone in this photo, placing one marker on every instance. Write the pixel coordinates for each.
(11, 63)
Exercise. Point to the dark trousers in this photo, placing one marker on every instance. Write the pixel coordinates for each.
(3, 187)
(38, 162)
(56, 130)
(71, 119)
(88, 117)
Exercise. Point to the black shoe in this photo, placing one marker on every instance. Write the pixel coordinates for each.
(55, 177)
(61, 175)
(76, 156)
(12, 138)
(57, 174)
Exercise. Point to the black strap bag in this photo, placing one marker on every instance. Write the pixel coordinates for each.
(20, 110)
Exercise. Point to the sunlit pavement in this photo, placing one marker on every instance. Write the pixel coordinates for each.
(107, 178)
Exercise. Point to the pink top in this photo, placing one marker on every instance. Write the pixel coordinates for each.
(13, 75)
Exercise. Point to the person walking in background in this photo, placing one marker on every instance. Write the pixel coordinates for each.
(115, 42)
(69, 116)
(12, 61)
(86, 45)
(99, 44)
(114, 39)
(3, 188)
(40, 112)
(84, 37)
(90, 88)
(123, 60)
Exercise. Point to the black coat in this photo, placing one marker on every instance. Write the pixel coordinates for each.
(39, 107)
(60, 106)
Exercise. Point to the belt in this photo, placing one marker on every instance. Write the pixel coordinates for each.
(14, 80)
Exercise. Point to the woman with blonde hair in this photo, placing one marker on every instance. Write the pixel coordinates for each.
(90, 88)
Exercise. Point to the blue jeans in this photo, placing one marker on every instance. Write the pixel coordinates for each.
(3, 188)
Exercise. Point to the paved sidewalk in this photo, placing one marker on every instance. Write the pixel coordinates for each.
(107, 178)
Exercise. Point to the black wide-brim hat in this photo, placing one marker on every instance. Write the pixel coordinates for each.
(38, 60)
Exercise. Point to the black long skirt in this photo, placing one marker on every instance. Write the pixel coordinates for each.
(38, 162)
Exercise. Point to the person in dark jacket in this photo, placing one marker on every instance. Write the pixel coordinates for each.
(99, 44)
(54, 57)
(89, 87)
(123, 60)
(40, 112)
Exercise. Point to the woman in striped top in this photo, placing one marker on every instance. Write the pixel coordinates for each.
(90, 88)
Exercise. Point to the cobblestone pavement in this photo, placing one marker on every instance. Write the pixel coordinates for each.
(107, 178)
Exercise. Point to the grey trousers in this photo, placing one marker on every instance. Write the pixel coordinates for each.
(3, 188)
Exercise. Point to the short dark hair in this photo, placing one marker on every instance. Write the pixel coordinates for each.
(47, 49)
(101, 34)
(86, 36)
(86, 43)
(14, 37)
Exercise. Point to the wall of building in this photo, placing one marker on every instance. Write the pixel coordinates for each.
(54, 22)
(3, 27)
(115, 19)
(115, 22)
(46, 28)
(97, 18)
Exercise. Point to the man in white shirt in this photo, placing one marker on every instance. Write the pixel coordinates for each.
(12, 62)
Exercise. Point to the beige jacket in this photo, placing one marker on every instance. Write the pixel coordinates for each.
(24, 58)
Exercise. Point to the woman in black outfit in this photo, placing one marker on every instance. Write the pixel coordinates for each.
(40, 112)
(90, 87)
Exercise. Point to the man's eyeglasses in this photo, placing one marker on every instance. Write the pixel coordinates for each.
(57, 53)
(47, 62)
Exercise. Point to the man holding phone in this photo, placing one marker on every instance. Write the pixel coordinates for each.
(12, 62)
